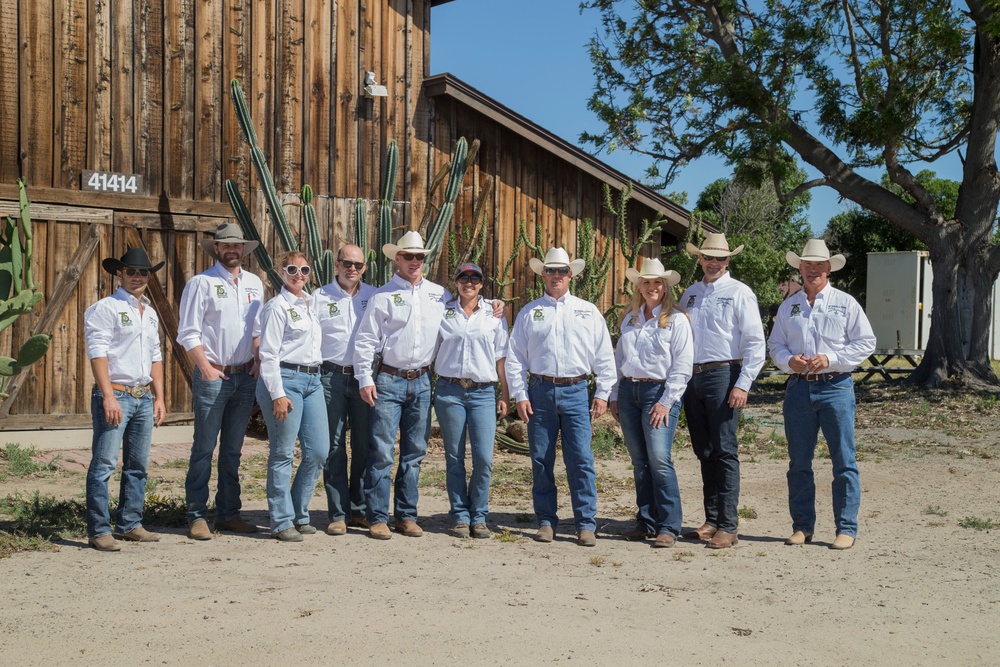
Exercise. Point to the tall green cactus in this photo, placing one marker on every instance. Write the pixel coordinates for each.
(19, 293)
(387, 193)
(260, 253)
(437, 231)
(322, 260)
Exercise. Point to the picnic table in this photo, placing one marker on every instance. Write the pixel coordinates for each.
(880, 358)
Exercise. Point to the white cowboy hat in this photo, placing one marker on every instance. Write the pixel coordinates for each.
(714, 245)
(815, 250)
(229, 232)
(409, 242)
(557, 257)
(652, 269)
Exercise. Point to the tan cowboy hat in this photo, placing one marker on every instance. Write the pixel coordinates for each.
(409, 242)
(714, 245)
(652, 269)
(229, 232)
(815, 250)
(557, 257)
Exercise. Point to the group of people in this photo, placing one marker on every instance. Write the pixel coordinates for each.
(352, 355)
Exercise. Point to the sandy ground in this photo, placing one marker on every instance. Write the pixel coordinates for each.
(916, 589)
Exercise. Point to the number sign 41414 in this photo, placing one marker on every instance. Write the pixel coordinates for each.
(107, 181)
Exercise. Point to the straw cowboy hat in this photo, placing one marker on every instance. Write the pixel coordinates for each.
(229, 232)
(134, 258)
(714, 245)
(815, 250)
(652, 269)
(409, 242)
(556, 257)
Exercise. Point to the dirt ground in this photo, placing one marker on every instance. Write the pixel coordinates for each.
(917, 588)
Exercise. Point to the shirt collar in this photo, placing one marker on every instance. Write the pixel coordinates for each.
(122, 294)
(721, 280)
(291, 298)
(223, 272)
(551, 299)
(406, 284)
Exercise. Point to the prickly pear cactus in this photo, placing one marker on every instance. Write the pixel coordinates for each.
(19, 292)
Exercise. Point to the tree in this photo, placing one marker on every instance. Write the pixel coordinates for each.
(886, 85)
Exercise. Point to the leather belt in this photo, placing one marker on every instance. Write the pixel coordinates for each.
(646, 380)
(466, 384)
(137, 391)
(819, 377)
(406, 375)
(331, 367)
(559, 381)
(239, 368)
(311, 370)
(712, 365)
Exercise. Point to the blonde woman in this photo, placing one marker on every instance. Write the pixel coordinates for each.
(654, 357)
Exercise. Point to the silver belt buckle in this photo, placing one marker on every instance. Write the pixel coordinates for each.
(137, 392)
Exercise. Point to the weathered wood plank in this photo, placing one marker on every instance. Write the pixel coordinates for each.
(348, 86)
(58, 213)
(123, 45)
(372, 110)
(67, 330)
(99, 77)
(208, 109)
(179, 97)
(149, 95)
(118, 202)
(262, 103)
(180, 223)
(316, 136)
(288, 136)
(236, 65)
(9, 87)
(36, 90)
(71, 93)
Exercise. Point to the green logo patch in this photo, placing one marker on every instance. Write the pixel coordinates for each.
(449, 314)
(398, 300)
(292, 313)
(796, 311)
(537, 315)
(334, 310)
(126, 320)
(220, 291)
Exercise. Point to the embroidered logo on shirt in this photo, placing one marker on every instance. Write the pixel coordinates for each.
(537, 315)
(398, 300)
(126, 320)
(449, 314)
(837, 310)
(631, 321)
(334, 310)
(725, 301)
(582, 313)
(220, 291)
(292, 313)
(690, 302)
(796, 311)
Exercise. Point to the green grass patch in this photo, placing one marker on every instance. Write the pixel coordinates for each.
(21, 461)
(746, 512)
(935, 510)
(976, 523)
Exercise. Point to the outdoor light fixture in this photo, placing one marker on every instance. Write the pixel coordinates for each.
(372, 89)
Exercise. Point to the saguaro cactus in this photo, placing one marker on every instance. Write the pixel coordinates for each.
(19, 292)
(322, 260)
(387, 192)
(437, 231)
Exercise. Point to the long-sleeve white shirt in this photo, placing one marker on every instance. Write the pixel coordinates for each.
(220, 313)
(289, 332)
(565, 337)
(113, 328)
(470, 346)
(647, 351)
(725, 324)
(401, 323)
(339, 316)
(835, 325)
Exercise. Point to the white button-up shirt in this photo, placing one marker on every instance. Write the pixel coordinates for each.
(220, 313)
(647, 351)
(339, 316)
(289, 332)
(401, 323)
(113, 328)
(835, 325)
(565, 337)
(725, 323)
(470, 346)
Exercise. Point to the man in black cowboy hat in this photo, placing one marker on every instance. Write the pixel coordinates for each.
(123, 345)
(217, 314)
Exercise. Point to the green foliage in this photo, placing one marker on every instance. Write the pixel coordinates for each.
(21, 461)
(976, 523)
(590, 285)
(250, 232)
(45, 516)
(321, 260)
(607, 442)
(387, 194)
(436, 232)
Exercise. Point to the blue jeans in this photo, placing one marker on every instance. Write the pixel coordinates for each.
(712, 425)
(809, 407)
(402, 406)
(657, 493)
(473, 411)
(561, 408)
(307, 421)
(133, 435)
(220, 407)
(343, 401)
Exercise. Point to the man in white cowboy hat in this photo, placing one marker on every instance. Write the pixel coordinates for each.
(340, 307)
(557, 342)
(217, 314)
(123, 345)
(729, 352)
(820, 336)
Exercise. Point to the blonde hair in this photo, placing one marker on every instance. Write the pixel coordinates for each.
(667, 305)
(287, 257)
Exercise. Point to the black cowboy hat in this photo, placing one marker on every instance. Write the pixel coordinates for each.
(134, 258)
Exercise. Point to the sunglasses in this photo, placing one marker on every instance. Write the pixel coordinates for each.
(346, 264)
(292, 270)
(470, 278)
(554, 270)
(132, 272)
(409, 256)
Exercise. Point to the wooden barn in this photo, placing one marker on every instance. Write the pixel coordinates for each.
(117, 115)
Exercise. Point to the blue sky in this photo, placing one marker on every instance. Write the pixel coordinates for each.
(530, 55)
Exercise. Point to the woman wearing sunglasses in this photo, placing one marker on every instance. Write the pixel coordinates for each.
(654, 358)
(472, 346)
(291, 399)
